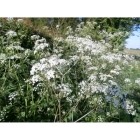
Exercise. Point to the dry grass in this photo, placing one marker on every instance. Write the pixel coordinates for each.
(132, 52)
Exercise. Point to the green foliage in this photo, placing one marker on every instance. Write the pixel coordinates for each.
(74, 72)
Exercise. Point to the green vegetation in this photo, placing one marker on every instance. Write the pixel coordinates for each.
(67, 70)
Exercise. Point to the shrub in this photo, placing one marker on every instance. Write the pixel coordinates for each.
(67, 79)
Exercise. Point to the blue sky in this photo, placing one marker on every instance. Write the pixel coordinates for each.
(133, 41)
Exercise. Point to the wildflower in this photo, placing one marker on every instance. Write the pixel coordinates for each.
(127, 80)
(27, 52)
(9, 19)
(65, 89)
(128, 107)
(40, 47)
(50, 74)
(117, 67)
(35, 37)
(83, 86)
(92, 68)
(120, 96)
(116, 102)
(103, 77)
(17, 43)
(12, 96)
(69, 100)
(53, 60)
(57, 26)
(133, 112)
(104, 66)
(108, 113)
(62, 61)
(37, 42)
(35, 68)
(137, 81)
(63, 112)
(108, 98)
(48, 109)
(2, 56)
(19, 20)
(45, 27)
(114, 72)
(112, 83)
(100, 119)
(16, 56)
(35, 78)
(17, 66)
(11, 34)
(74, 57)
(92, 78)
(15, 47)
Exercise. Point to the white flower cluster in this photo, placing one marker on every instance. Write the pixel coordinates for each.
(86, 45)
(111, 57)
(69, 30)
(74, 58)
(35, 78)
(109, 88)
(104, 77)
(11, 34)
(100, 119)
(2, 114)
(127, 105)
(92, 68)
(9, 19)
(57, 26)
(115, 58)
(87, 89)
(16, 56)
(114, 72)
(112, 93)
(40, 44)
(12, 96)
(127, 80)
(47, 67)
(100, 66)
(11, 47)
(35, 37)
(137, 81)
(65, 89)
(2, 56)
(111, 36)
(27, 52)
(20, 20)
(50, 74)
(17, 66)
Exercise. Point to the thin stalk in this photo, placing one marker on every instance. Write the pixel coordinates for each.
(26, 109)
(59, 106)
(72, 116)
(4, 80)
(56, 115)
(85, 115)
(9, 63)
(71, 109)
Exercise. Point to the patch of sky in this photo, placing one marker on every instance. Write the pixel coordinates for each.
(134, 40)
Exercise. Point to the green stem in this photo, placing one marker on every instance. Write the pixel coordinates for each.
(59, 106)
